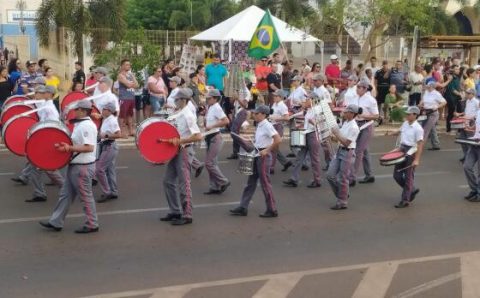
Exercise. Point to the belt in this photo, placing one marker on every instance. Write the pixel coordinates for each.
(361, 121)
(212, 135)
(260, 149)
(345, 148)
(107, 142)
(82, 164)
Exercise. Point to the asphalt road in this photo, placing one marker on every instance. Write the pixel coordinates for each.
(369, 250)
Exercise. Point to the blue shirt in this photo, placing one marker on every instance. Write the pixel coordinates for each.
(14, 78)
(215, 75)
(28, 79)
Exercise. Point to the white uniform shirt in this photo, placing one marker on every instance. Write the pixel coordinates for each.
(109, 125)
(85, 133)
(105, 98)
(171, 100)
(186, 123)
(368, 104)
(471, 108)
(297, 96)
(310, 115)
(350, 96)
(410, 134)
(214, 114)
(192, 108)
(280, 109)
(431, 99)
(264, 134)
(48, 111)
(350, 131)
(323, 93)
(477, 126)
(244, 95)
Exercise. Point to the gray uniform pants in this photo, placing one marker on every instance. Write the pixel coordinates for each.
(105, 169)
(214, 146)
(278, 154)
(405, 178)
(177, 183)
(194, 162)
(429, 126)
(78, 181)
(471, 160)
(362, 153)
(235, 128)
(463, 134)
(313, 149)
(339, 172)
(26, 172)
(261, 171)
(37, 181)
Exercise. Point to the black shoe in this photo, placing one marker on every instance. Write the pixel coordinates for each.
(286, 166)
(86, 230)
(170, 217)
(268, 214)
(367, 180)
(18, 180)
(462, 159)
(233, 156)
(352, 183)
(434, 148)
(212, 192)
(471, 195)
(272, 171)
(314, 185)
(290, 182)
(198, 172)
(105, 198)
(291, 154)
(50, 183)
(224, 187)
(48, 225)
(240, 211)
(94, 182)
(113, 197)
(305, 168)
(338, 207)
(182, 221)
(36, 199)
(414, 194)
(402, 204)
(475, 199)
(325, 168)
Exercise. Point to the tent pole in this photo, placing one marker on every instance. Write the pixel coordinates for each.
(222, 49)
(230, 41)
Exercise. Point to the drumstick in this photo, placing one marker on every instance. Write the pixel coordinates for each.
(366, 125)
(91, 86)
(33, 101)
(237, 135)
(403, 169)
(32, 111)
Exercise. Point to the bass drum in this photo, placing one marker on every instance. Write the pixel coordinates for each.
(147, 136)
(42, 141)
(14, 109)
(71, 98)
(69, 114)
(15, 132)
(14, 98)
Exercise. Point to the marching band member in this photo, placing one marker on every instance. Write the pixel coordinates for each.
(411, 134)
(267, 141)
(105, 90)
(241, 114)
(79, 173)
(174, 83)
(177, 182)
(472, 159)
(340, 167)
(215, 119)
(471, 109)
(48, 112)
(312, 147)
(369, 113)
(105, 165)
(431, 102)
(350, 95)
(279, 115)
(294, 102)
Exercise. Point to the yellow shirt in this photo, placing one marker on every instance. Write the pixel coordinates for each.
(53, 81)
(469, 83)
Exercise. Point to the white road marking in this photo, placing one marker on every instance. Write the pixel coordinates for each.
(121, 167)
(7, 174)
(429, 285)
(117, 212)
(470, 268)
(170, 293)
(442, 150)
(416, 174)
(469, 257)
(463, 186)
(278, 287)
(376, 281)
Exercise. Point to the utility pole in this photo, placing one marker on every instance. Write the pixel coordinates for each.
(21, 6)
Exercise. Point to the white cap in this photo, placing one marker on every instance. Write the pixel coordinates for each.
(333, 57)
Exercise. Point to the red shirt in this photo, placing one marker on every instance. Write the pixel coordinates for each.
(332, 71)
(261, 72)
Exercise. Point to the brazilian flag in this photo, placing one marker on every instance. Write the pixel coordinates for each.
(265, 39)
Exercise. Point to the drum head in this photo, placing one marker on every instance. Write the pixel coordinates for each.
(15, 109)
(15, 133)
(147, 137)
(41, 150)
(72, 97)
(71, 115)
(392, 156)
(14, 98)
(457, 121)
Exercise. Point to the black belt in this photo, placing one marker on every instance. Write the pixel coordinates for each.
(345, 148)
(82, 164)
(361, 122)
(107, 142)
(261, 149)
(209, 137)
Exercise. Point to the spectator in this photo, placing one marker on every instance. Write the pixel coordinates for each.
(42, 66)
(316, 68)
(79, 75)
(6, 87)
(167, 72)
(261, 72)
(5, 54)
(201, 79)
(193, 85)
(276, 59)
(274, 81)
(332, 71)
(373, 65)
(91, 77)
(453, 95)
(15, 73)
(348, 70)
(216, 74)
(52, 80)
(392, 99)
(77, 86)
(287, 76)
(399, 78)
(99, 73)
(127, 83)
(469, 82)
(382, 82)
(157, 89)
(28, 78)
(415, 80)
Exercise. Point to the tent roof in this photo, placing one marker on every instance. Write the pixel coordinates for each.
(241, 27)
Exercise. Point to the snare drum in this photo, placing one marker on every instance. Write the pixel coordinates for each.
(41, 147)
(457, 123)
(147, 140)
(471, 142)
(69, 114)
(16, 108)
(162, 114)
(14, 98)
(298, 138)
(392, 158)
(71, 98)
(246, 163)
(15, 133)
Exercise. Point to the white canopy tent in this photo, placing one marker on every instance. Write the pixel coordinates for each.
(242, 26)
